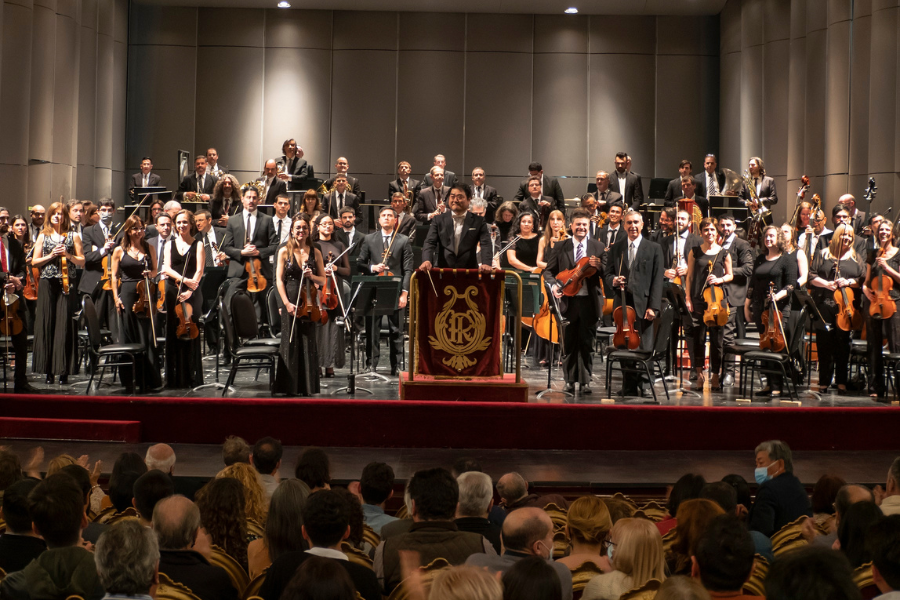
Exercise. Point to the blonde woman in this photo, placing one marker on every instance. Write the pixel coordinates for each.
(462, 583)
(636, 555)
(254, 494)
(588, 525)
(554, 232)
(791, 249)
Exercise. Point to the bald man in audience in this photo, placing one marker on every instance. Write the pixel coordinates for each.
(513, 490)
(160, 457)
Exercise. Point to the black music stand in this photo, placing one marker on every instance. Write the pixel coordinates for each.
(677, 293)
(562, 322)
(378, 297)
(804, 299)
(350, 324)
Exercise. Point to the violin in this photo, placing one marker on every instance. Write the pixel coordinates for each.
(883, 306)
(11, 324)
(626, 335)
(772, 337)
(677, 279)
(570, 281)
(328, 297)
(105, 264)
(255, 280)
(64, 272)
(848, 318)
(601, 220)
(31, 276)
(717, 311)
(186, 329)
(309, 305)
(541, 321)
(143, 304)
(161, 296)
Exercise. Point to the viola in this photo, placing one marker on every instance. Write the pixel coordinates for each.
(882, 306)
(11, 324)
(329, 294)
(717, 311)
(626, 335)
(772, 338)
(255, 280)
(677, 279)
(161, 296)
(570, 281)
(187, 329)
(848, 318)
(541, 322)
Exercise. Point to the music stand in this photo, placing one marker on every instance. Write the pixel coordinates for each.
(678, 293)
(378, 297)
(804, 299)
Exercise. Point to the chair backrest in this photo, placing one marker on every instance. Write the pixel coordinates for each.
(254, 529)
(557, 515)
(402, 512)
(560, 543)
(236, 573)
(227, 326)
(89, 312)
(252, 589)
(220, 293)
(243, 316)
(170, 590)
(653, 510)
(789, 537)
(355, 555)
(370, 537)
(755, 586)
(272, 298)
(103, 515)
(664, 329)
(111, 516)
(2, 574)
(643, 592)
(798, 330)
(582, 574)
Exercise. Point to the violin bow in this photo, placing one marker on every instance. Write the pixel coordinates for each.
(149, 299)
(297, 303)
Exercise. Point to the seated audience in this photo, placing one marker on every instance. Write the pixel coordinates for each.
(400, 525)
(222, 515)
(619, 509)
(357, 520)
(126, 470)
(476, 497)
(184, 550)
(811, 573)
(433, 534)
(255, 502)
(326, 523)
(149, 489)
(235, 450)
(687, 487)
(465, 583)
(694, 516)
(19, 545)
(846, 496)
(283, 527)
(314, 470)
(744, 497)
(464, 465)
(92, 532)
(160, 457)
(883, 543)
(854, 528)
(376, 486)
(513, 491)
(722, 494)
(57, 463)
(781, 498)
(636, 556)
(127, 559)
(319, 578)
(723, 558)
(890, 497)
(588, 525)
(823, 499)
(266, 459)
(56, 506)
(526, 532)
(10, 470)
(680, 587)
(532, 578)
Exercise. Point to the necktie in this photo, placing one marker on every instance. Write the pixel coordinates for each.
(340, 203)
(479, 191)
(161, 259)
(612, 236)
(209, 253)
(630, 254)
(579, 252)
(247, 232)
(200, 184)
(278, 231)
(386, 242)
(145, 181)
(713, 184)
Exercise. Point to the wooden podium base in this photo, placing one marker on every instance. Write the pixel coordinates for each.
(472, 390)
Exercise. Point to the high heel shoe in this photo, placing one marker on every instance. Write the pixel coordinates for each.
(714, 385)
(49, 378)
(701, 379)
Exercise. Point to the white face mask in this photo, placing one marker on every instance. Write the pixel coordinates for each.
(549, 548)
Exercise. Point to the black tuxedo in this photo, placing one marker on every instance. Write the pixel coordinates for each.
(530, 205)
(412, 185)
(218, 234)
(137, 180)
(352, 185)
(277, 187)
(189, 184)
(859, 222)
(449, 180)
(343, 237)
(299, 172)
(427, 203)
(633, 194)
(668, 249)
(92, 241)
(17, 266)
(263, 238)
(550, 188)
(736, 292)
(644, 278)
(700, 181)
(438, 247)
(767, 193)
(673, 191)
(604, 236)
(611, 197)
(489, 194)
(329, 204)
(406, 225)
(217, 207)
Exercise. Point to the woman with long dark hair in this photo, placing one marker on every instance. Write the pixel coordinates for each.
(330, 337)
(884, 262)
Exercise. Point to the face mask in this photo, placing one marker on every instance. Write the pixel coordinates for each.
(549, 551)
(761, 474)
(609, 552)
(106, 218)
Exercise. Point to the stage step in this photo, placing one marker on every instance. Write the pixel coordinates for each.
(91, 430)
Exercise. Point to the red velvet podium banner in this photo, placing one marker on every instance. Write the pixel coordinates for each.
(458, 320)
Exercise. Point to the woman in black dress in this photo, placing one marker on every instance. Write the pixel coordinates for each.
(183, 268)
(54, 330)
(298, 363)
(330, 337)
(699, 277)
(771, 267)
(885, 261)
(523, 254)
(836, 267)
(19, 229)
(133, 264)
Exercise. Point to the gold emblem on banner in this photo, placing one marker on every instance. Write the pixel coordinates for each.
(460, 333)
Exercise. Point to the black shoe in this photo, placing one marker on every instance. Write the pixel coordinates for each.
(728, 380)
(63, 379)
(329, 372)
(25, 388)
(49, 379)
(693, 376)
(766, 391)
(585, 389)
(395, 372)
(570, 387)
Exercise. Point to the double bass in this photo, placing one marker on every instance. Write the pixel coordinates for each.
(772, 337)
(626, 335)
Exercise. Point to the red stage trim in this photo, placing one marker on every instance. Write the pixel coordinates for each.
(510, 425)
(428, 388)
(68, 429)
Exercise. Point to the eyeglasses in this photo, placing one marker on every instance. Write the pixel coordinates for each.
(137, 229)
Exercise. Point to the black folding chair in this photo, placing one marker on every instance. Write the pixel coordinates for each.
(240, 331)
(101, 355)
(650, 361)
(778, 363)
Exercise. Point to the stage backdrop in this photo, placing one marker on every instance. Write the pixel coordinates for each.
(495, 91)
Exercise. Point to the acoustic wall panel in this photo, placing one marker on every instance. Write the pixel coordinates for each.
(683, 121)
(797, 109)
(815, 103)
(860, 62)
(15, 86)
(729, 117)
(65, 91)
(298, 28)
(688, 35)
(43, 62)
(776, 84)
(357, 30)
(559, 115)
(106, 85)
(432, 31)
(751, 101)
(837, 97)
(230, 27)
(87, 97)
(561, 33)
(500, 33)
(119, 78)
(620, 34)
(162, 25)
(883, 90)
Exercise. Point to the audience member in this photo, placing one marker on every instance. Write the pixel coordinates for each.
(56, 506)
(314, 470)
(890, 496)
(687, 487)
(619, 509)
(694, 516)
(680, 587)
(19, 545)
(722, 494)
(846, 496)
(127, 560)
(526, 532)
(532, 578)
(811, 573)
(513, 491)
(58, 462)
(883, 544)
(235, 450)
(723, 558)
(465, 464)
(588, 525)
(465, 583)
(266, 459)
(326, 522)
(284, 525)
(636, 555)
(781, 498)
(476, 497)
(400, 525)
(319, 578)
(222, 515)
(126, 470)
(150, 488)
(824, 496)
(357, 520)
(184, 550)
(160, 457)
(255, 501)
(744, 497)
(854, 528)
(433, 534)
(10, 470)
(376, 487)
(94, 530)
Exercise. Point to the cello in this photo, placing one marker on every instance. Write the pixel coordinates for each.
(772, 338)
(542, 320)
(883, 306)
(717, 311)
(626, 335)
(848, 318)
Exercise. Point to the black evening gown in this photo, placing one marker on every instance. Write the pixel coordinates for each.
(54, 331)
(298, 362)
(135, 329)
(184, 363)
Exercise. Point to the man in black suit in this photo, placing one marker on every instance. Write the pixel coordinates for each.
(482, 190)
(272, 185)
(211, 237)
(19, 545)
(449, 176)
(685, 169)
(12, 277)
(404, 184)
(765, 188)
(98, 242)
(549, 187)
(454, 237)
(675, 251)
(711, 182)
(164, 226)
(406, 223)
(604, 195)
(338, 198)
(341, 167)
(345, 230)
(627, 183)
(613, 231)
(858, 218)
(688, 192)
(38, 213)
(666, 225)
(582, 310)
(296, 170)
(432, 200)
(537, 204)
(841, 216)
(636, 265)
(400, 263)
(146, 178)
(199, 185)
(735, 290)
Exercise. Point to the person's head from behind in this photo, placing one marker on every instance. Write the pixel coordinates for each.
(127, 559)
(848, 495)
(464, 464)
(476, 494)
(883, 545)
(619, 509)
(150, 488)
(723, 556)
(722, 494)
(694, 516)
(234, 450)
(320, 579)
(326, 519)
(528, 530)
(740, 485)
(434, 494)
(465, 583)
(853, 529)
(56, 507)
(222, 505)
(357, 517)
(636, 549)
(10, 469)
(15, 507)
(588, 521)
(313, 469)
(531, 578)
(512, 487)
(82, 478)
(266, 455)
(824, 494)
(129, 462)
(284, 524)
(255, 501)
(160, 457)
(680, 587)
(376, 483)
(687, 487)
(121, 489)
(176, 521)
(811, 573)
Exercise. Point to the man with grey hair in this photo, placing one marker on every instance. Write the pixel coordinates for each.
(235, 450)
(781, 497)
(889, 497)
(185, 548)
(127, 558)
(513, 490)
(160, 457)
(476, 497)
(449, 177)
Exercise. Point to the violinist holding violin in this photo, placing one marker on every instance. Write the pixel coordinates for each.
(299, 268)
(882, 289)
(709, 268)
(134, 266)
(98, 241)
(330, 336)
(12, 277)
